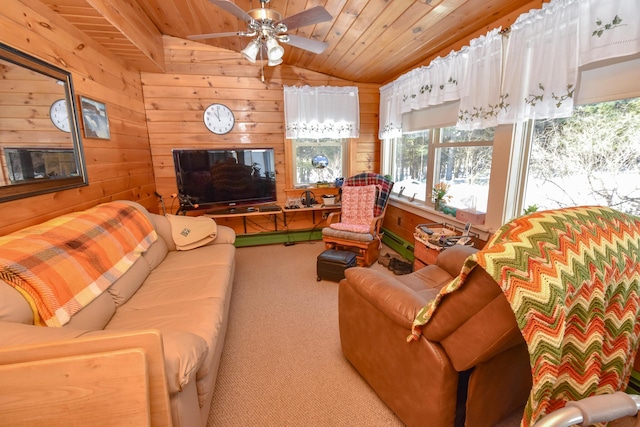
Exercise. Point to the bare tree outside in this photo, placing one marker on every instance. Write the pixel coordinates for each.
(590, 158)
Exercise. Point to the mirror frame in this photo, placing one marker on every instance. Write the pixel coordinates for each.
(42, 186)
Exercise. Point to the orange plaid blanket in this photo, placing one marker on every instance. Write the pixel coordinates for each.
(62, 265)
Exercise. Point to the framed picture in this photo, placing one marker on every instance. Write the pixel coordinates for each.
(94, 117)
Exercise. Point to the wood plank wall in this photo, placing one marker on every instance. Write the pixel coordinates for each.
(119, 168)
(198, 75)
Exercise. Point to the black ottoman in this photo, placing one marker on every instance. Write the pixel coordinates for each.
(332, 264)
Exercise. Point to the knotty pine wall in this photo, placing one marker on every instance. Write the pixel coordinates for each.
(119, 168)
(198, 75)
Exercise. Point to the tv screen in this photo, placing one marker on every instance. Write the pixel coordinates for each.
(226, 177)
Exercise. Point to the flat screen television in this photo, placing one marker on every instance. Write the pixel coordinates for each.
(225, 177)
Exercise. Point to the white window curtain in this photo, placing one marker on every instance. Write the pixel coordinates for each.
(418, 89)
(541, 63)
(321, 112)
(433, 85)
(609, 29)
(390, 115)
(480, 99)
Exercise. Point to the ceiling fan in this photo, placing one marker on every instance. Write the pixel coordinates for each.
(268, 29)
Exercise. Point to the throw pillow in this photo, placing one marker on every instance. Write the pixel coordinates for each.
(190, 232)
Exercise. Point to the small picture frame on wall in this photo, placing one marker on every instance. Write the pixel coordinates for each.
(94, 118)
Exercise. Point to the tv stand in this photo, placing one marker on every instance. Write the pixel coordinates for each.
(245, 211)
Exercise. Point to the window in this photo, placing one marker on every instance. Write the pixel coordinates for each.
(463, 160)
(409, 155)
(309, 164)
(590, 158)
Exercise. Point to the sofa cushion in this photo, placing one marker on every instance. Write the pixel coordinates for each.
(14, 307)
(165, 289)
(426, 281)
(203, 318)
(188, 276)
(163, 228)
(95, 315)
(348, 235)
(156, 253)
(130, 282)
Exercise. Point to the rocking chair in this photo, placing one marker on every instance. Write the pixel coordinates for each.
(357, 227)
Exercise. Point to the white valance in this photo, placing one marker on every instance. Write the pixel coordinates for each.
(390, 114)
(321, 112)
(609, 29)
(541, 64)
(480, 99)
(534, 77)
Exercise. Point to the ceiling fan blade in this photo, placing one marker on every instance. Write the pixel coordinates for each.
(311, 16)
(216, 35)
(230, 7)
(307, 44)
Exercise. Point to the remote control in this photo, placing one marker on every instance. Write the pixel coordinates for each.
(426, 230)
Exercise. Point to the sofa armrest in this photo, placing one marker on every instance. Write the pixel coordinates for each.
(117, 375)
(392, 297)
(225, 235)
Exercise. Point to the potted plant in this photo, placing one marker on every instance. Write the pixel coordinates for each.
(439, 194)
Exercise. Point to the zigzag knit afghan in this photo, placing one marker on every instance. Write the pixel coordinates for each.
(572, 277)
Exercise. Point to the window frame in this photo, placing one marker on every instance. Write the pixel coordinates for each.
(435, 143)
(296, 142)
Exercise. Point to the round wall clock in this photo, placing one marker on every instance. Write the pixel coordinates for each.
(219, 119)
(60, 115)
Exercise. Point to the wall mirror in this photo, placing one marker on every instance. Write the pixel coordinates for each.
(40, 145)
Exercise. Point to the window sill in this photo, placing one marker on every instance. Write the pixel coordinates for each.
(430, 214)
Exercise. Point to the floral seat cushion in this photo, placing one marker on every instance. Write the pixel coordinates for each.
(357, 208)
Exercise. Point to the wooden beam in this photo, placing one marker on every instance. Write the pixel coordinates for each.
(124, 28)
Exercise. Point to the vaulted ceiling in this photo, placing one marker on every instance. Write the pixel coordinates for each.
(370, 41)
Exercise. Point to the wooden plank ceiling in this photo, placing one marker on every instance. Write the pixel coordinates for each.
(370, 41)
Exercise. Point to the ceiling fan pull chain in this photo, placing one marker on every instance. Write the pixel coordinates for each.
(261, 67)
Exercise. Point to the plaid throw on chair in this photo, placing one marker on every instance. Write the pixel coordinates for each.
(367, 178)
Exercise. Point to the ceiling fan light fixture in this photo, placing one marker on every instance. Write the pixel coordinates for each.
(251, 51)
(274, 62)
(274, 50)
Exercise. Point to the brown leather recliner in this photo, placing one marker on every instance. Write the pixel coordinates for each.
(470, 366)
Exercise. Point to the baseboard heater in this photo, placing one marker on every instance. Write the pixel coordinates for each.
(398, 244)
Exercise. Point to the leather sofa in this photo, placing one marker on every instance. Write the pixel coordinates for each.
(470, 366)
(181, 297)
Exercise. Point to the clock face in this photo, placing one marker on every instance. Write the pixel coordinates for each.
(219, 119)
(60, 115)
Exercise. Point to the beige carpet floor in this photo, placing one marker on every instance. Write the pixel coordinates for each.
(282, 364)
